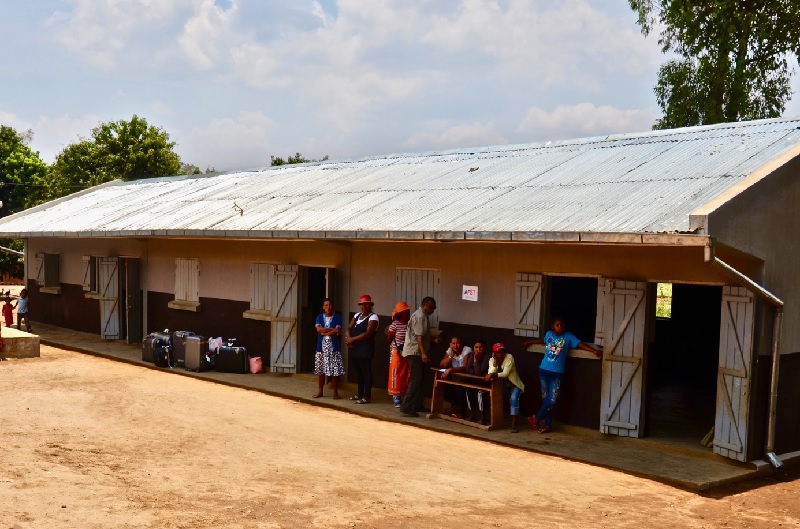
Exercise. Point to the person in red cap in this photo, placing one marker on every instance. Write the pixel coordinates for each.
(502, 365)
(360, 340)
(398, 366)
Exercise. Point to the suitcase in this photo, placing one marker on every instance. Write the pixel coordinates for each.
(153, 341)
(198, 358)
(162, 356)
(179, 346)
(232, 360)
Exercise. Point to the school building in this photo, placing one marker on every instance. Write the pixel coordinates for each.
(504, 238)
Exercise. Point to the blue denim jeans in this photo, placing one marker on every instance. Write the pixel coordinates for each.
(515, 393)
(550, 384)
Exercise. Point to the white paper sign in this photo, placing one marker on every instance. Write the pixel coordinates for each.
(469, 293)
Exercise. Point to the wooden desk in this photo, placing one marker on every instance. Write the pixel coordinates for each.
(464, 380)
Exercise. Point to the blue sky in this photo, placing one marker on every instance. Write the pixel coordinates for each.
(235, 81)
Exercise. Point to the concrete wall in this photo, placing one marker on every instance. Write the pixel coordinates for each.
(764, 221)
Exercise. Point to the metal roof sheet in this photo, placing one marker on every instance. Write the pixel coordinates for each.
(632, 183)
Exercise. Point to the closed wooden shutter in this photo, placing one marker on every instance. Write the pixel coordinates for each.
(413, 284)
(38, 269)
(260, 280)
(528, 305)
(187, 279)
(109, 298)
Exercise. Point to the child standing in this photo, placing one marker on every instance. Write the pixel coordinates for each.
(8, 313)
(22, 310)
(557, 343)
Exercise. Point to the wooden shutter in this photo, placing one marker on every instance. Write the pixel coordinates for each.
(599, 328)
(87, 273)
(733, 374)
(38, 269)
(52, 277)
(187, 284)
(528, 304)
(260, 280)
(108, 271)
(622, 391)
(284, 303)
(412, 285)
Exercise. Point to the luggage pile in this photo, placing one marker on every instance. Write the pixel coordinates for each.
(198, 353)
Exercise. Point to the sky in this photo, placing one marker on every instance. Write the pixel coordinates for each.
(234, 82)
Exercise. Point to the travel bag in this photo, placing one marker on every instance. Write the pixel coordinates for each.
(179, 346)
(152, 342)
(197, 356)
(232, 359)
(162, 356)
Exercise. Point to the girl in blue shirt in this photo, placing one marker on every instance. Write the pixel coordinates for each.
(557, 344)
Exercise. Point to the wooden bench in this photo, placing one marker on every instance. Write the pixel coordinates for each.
(494, 388)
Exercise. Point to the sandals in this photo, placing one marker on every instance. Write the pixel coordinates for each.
(316, 395)
(545, 429)
(362, 401)
(534, 422)
(356, 397)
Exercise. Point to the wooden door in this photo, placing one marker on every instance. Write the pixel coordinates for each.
(108, 288)
(733, 373)
(284, 302)
(624, 319)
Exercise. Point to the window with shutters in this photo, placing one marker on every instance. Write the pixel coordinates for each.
(261, 275)
(187, 284)
(90, 281)
(46, 271)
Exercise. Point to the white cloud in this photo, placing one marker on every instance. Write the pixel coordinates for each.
(208, 34)
(52, 134)
(227, 143)
(583, 119)
(440, 135)
(99, 30)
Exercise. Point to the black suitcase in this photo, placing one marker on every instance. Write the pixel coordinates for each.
(231, 359)
(179, 346)
(198, 357)
(154, 341)
(162, 356)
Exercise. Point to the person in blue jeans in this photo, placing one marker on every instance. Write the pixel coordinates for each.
(502, 365)
(557, 344)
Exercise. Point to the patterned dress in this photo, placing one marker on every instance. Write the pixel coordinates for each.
(328, 359)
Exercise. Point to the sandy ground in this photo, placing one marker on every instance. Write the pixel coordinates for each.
(87, 442)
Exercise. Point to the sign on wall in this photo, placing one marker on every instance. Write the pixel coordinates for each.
(469, 293)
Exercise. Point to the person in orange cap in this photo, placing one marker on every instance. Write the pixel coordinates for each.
(360, 340)
(398, 366)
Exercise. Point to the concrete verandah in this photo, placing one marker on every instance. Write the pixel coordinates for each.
(684, 467)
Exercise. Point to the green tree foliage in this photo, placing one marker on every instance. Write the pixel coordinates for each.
(22, 172)
(126, 150)
(22, 177)
(733, 60)
(297, 158)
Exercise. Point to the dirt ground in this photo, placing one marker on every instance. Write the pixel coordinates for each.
(90, 443)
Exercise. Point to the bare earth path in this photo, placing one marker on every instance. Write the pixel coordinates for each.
(87, 442)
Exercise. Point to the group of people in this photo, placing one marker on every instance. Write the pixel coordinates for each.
(409, 340)
(22, 310)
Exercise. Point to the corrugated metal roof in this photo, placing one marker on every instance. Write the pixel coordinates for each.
(634, 183)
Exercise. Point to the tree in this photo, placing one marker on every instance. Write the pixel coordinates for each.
(734, 58)
(22, 177)
(126, 150)
(297, 158)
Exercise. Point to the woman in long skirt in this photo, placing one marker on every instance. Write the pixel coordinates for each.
(328, 360)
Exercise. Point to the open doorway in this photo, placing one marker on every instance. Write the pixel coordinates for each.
(316, 285)
(575, 300)
(682, 363)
